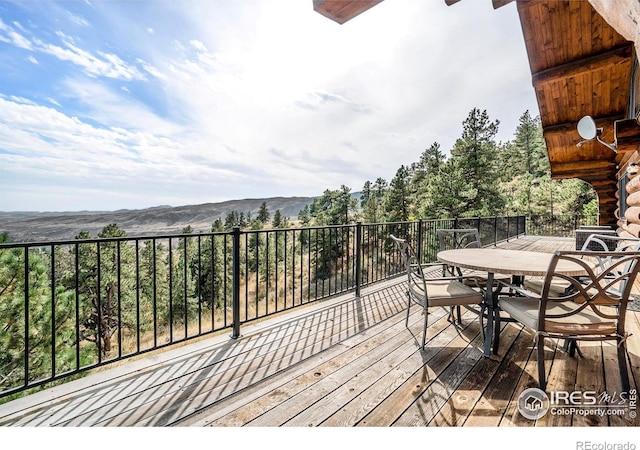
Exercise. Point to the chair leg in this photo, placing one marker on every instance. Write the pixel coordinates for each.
(542, 379)
(496, 330)
(426, 324)
(622, 364)
(451, 317)
(571, 347)
(406, 322)
(481, 316)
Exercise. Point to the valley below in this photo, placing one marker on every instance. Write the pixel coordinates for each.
(35, 226)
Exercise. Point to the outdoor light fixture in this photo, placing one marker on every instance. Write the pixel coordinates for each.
(588, 131)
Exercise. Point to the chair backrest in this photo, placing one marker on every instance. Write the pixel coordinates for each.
(415, 275)
(603, 243)
(452, 238)
(603, 292)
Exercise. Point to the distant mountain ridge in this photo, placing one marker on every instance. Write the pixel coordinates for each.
(33, 226)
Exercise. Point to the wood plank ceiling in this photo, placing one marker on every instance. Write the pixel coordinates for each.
(580, 66)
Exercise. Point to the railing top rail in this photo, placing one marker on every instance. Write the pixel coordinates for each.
(111, 239)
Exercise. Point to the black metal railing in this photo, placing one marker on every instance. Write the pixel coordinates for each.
(70, 306)
(558, 225)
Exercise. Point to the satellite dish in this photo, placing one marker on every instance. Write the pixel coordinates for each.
(587, 128)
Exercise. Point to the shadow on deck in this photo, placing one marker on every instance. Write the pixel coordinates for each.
(342, 362)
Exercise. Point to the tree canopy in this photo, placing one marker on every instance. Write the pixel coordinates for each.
(480, 177)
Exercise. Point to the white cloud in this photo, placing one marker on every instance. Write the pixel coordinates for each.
(104, 64)
(53, 101)
(78, 20)
(198, 45)
(10, 36)
(110, 65)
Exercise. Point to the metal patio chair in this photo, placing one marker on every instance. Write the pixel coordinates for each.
(427, 287)
(594, 309)
(594, 243)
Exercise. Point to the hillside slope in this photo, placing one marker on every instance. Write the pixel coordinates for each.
(32, 226)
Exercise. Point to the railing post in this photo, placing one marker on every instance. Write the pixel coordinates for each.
(358, 257)
(235, 334)
(495, 230)
(420, 241)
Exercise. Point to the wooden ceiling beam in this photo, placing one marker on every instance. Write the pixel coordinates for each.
(584, 65)
(563, 128)
(594, 168)
(605, 183)
(500, 3)
(627, 133)
(342, 10)
(496, 3)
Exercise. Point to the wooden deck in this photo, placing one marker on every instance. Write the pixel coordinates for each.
(339, 363)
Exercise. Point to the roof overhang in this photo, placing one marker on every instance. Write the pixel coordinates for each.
(343, 10)
(496, 3)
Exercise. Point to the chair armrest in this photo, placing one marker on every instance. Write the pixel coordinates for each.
(443, 277)
(518, 289)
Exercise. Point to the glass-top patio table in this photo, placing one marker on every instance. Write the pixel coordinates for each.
(518, 263)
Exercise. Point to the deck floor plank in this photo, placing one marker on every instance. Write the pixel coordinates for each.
(562, 376)
(244, 408)
(613, 385)
(429, 403)
(352, 370)
(362, 380)
(462, 401)
(308, 343)
(424, 368)
(488, 411)
(528, 379)
(590, 378)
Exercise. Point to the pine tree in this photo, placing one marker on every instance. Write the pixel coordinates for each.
(524, 162)
(530, 144)
(371, 200)
(278, 219)
(232, 219)
(50, 311)
(475, 154)
(304, 216)
(263, 213)
(445, 194)
(396, 199)
(428, 165)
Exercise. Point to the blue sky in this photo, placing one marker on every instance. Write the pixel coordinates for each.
(131, 104)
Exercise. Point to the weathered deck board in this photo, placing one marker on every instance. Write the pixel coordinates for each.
(462, 402)
(342, 362)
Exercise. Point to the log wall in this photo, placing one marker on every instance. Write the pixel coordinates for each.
(630, 225)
